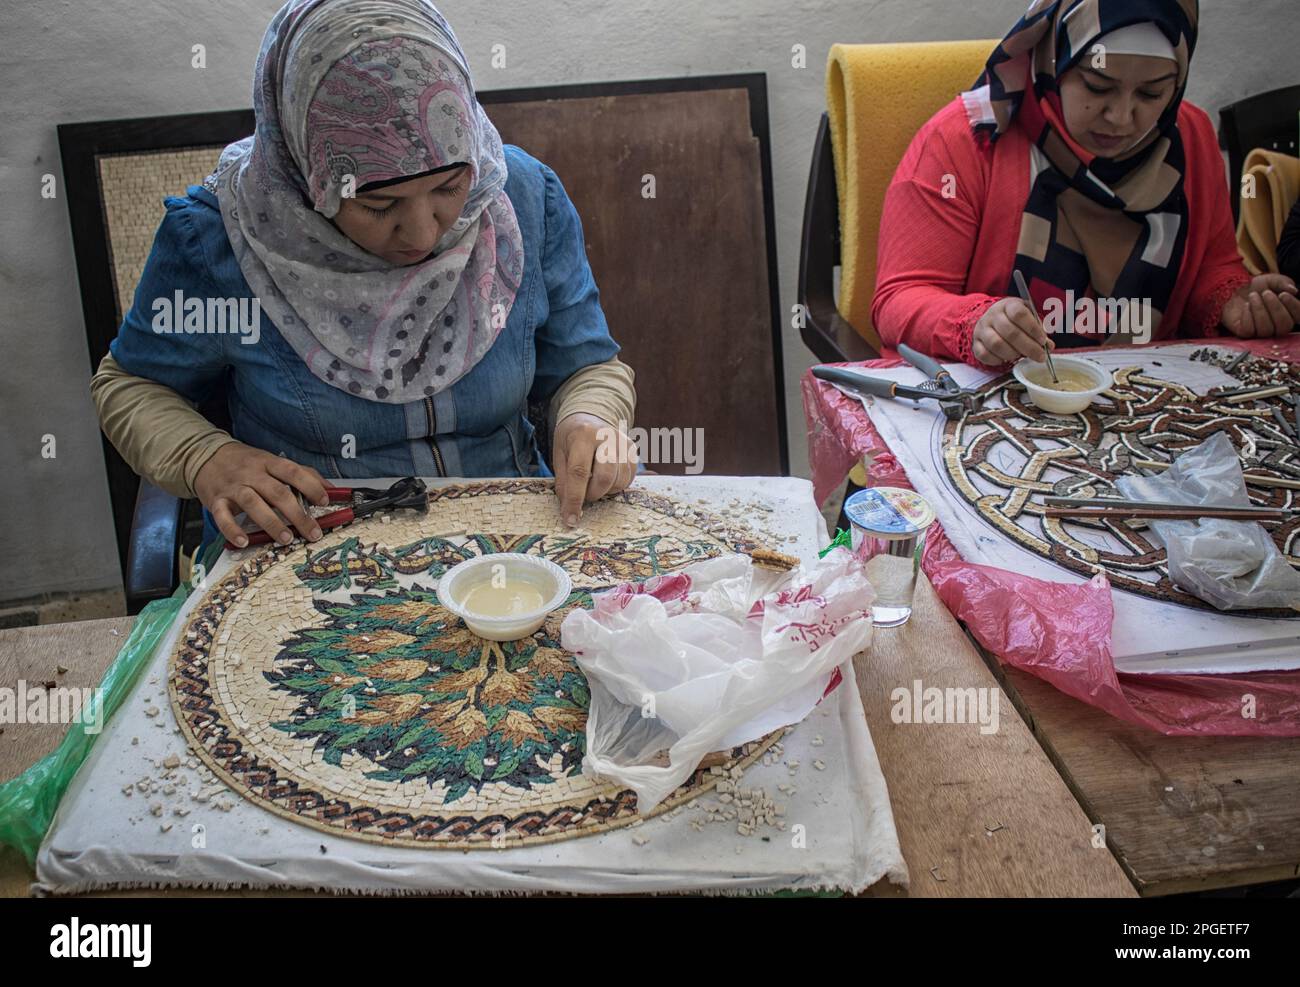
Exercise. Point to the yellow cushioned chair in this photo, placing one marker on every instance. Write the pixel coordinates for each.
(878, 96)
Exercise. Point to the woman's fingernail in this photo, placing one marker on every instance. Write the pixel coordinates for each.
(315, 533)
(241, 541)
(285, 538)
(571, 520)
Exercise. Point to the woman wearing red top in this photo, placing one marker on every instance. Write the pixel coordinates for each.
(1076, 161)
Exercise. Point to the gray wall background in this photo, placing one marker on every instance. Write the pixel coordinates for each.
(71, 61)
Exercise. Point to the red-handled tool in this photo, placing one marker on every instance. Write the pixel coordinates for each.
(409, 492)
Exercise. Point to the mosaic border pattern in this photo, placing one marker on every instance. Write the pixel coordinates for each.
(224, 748)
(1154, 421)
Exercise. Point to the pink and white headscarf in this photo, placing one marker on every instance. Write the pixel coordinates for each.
(375, 90)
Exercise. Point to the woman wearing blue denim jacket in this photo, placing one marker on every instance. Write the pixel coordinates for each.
(381, 285)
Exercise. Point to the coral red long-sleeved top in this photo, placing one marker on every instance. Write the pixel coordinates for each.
(943, 261)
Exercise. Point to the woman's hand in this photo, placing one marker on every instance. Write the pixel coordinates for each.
(1008, 331)
(1266, 307)
(592, 459)
(241, 478)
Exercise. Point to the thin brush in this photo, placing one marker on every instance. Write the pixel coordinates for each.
(1028, 300)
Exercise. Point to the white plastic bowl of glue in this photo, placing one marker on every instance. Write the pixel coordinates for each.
(1086, 379)
(504, 596)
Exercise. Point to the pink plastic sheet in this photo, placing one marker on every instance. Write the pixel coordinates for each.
(1060, 632)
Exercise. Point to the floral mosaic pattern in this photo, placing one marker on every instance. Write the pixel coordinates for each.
(329, 685)
(405, 685)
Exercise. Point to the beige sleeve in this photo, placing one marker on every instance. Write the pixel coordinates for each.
(605, 390)
(166, 441)
(155, 429)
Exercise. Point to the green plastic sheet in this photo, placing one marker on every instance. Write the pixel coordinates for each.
(842, 539)
(29, 801)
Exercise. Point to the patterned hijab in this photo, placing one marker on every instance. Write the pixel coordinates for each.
(362, 91)
(1100, 227)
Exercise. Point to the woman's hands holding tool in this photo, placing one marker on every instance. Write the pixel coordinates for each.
(1268, 306)
(241, 478)
(592, 460)
(1008, 331)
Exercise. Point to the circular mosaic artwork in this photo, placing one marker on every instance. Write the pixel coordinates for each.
(326, 683)
(1007, 456)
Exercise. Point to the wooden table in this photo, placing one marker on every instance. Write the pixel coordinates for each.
(85, 648)
(1181, 813)
(977, 815)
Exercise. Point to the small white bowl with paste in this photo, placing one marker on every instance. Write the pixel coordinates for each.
(1084, 379)
(504, 596)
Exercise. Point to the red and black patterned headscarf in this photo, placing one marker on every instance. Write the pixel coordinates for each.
(1100, 227)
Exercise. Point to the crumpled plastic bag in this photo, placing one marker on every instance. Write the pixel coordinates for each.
(709, 657)
(1232, 565)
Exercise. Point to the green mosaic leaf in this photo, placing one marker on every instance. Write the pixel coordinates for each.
(474, 765)
(411, 736)
(457, 789)
(475, 701)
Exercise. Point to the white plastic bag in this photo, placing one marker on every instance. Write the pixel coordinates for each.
(1233, 565)
(709, 657)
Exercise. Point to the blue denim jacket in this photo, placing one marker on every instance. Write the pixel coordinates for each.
(476, 427)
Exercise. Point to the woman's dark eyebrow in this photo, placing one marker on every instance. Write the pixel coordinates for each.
(1149, 82)
(379, 194)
